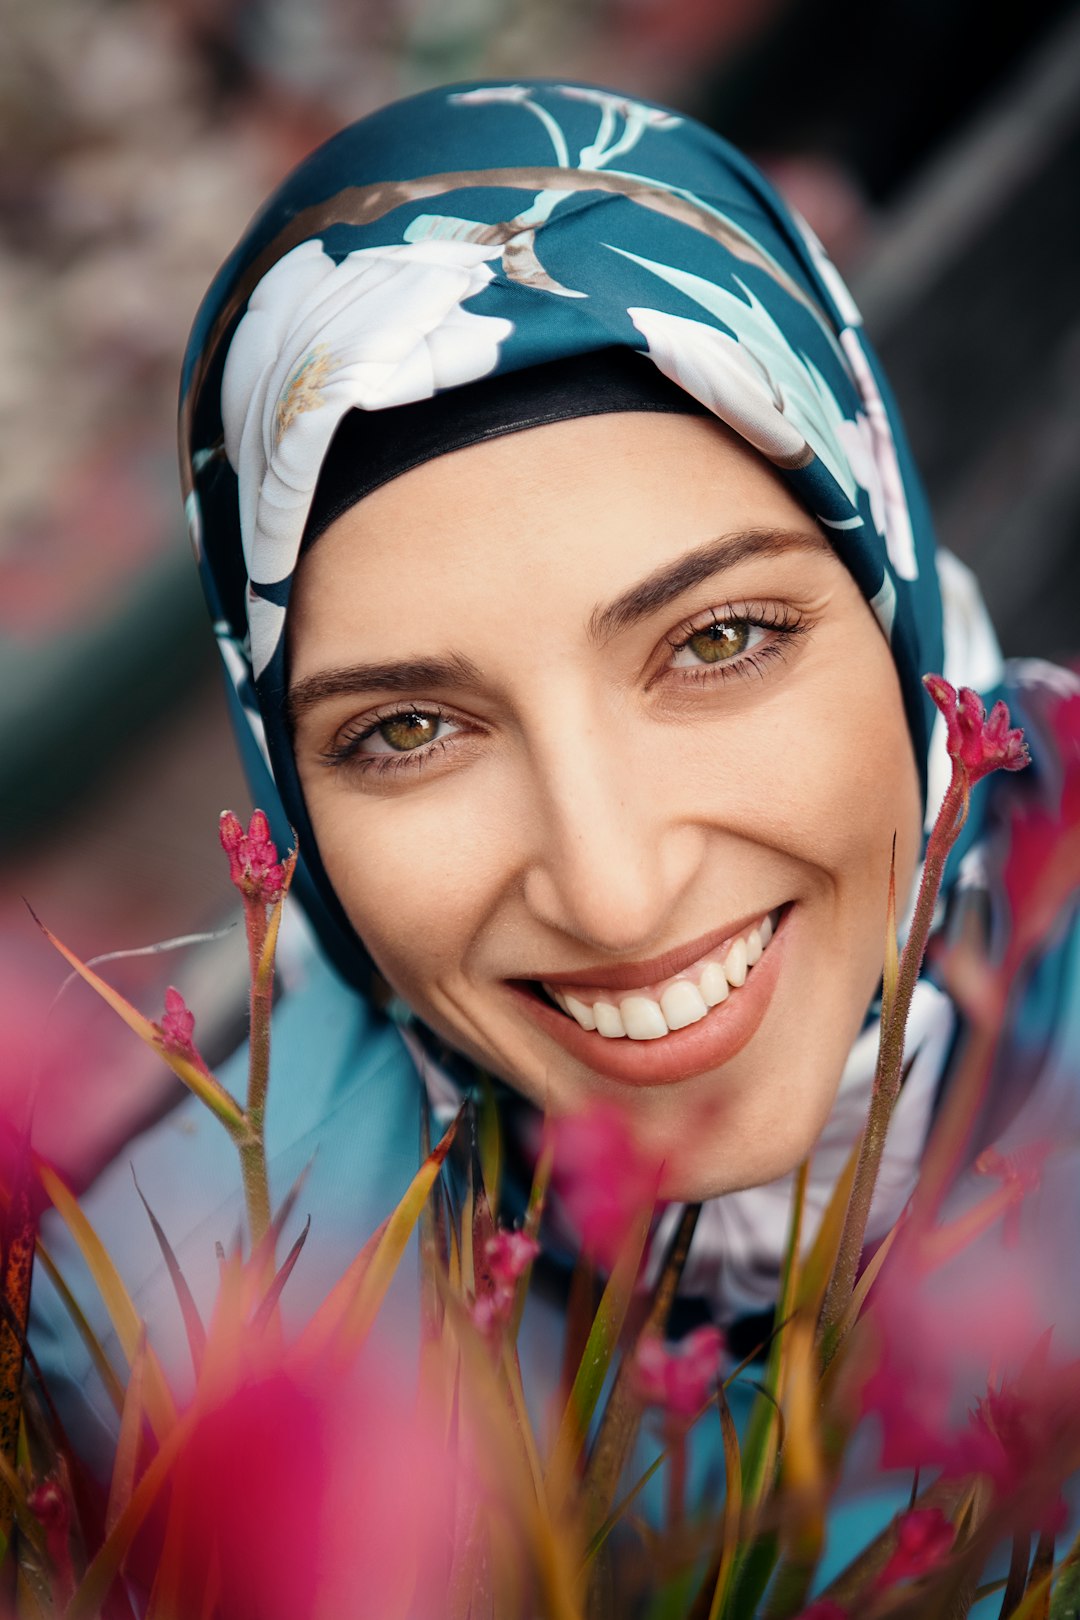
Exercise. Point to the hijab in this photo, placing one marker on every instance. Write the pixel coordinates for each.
(479, 238)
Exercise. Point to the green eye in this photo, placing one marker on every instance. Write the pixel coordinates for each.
(403, 732)
(719, 642)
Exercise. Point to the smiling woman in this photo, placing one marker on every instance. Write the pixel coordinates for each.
(575, 589)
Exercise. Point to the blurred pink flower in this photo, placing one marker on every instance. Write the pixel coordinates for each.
(253, 858)
(979, 744)
(923, 1538)
(680, 1380)
(1042, 871)
(604, 1179)
(508, 1256)
(964, 1382)
(939, 1332)
(49, 1504)
(1020, 1173)
(1029, 1429)
(315, 1493)
(824, 1609)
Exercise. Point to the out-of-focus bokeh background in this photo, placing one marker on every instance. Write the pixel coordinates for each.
(933, 144)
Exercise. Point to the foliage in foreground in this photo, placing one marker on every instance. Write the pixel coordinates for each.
(303, 1480)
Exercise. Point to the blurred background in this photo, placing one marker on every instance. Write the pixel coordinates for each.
(933, 144)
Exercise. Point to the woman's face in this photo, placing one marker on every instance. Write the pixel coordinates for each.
(582, 707)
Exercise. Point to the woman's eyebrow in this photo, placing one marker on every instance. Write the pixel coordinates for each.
(712, 558)
(402, 675)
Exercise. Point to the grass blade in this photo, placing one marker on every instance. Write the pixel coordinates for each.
(127, 1447)
(125, 1319)
(622, 1415)
(193, 1325)
(595, 1362)
(352, 1304)
(273, 1293)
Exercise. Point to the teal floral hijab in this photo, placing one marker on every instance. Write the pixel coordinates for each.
(482, 230)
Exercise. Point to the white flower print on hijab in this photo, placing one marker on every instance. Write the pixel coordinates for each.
(770, 393)
(385, 326)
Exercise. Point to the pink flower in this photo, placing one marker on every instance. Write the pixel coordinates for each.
(253, 858)
(1020, 1173)
(824, 1609)
(604, 1179)
(509, 1255)
(312, 1492)
(49, 1505)
(923, 1538)
(979, 744)
(680, 1380)
(1030, 1430)
(939, 1330)
(1042, 871)
(178, 1025)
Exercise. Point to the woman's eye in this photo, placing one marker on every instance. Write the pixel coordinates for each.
(719, 642)
(404, 732)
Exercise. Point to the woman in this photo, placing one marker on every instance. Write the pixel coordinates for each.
(575, 588)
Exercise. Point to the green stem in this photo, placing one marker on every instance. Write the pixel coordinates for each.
(252, 1142)
(256, 1188)
(259, 1008)
(890, 1061)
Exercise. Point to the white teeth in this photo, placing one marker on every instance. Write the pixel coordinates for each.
(643, 1019)
(578, 1011)
(713, 984)
(683, 1004)
(608, 1019)
(735, 964)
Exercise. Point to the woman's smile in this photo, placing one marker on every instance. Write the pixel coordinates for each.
(582, 764)
(690, 1020)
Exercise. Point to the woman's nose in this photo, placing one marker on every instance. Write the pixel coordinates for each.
(612, 854)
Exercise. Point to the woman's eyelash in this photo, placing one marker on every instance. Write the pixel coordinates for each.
(728, 632)
(345, 750)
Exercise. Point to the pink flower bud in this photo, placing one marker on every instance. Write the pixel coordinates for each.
(49, 1505)
(253, 858)
(603, 1178)
(490, 1312)
(924, 1537)
(979, 744)
(178, 1025)
(678, 1381)
(509, 1255)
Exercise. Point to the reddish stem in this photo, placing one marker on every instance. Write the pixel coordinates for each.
(890, 1061)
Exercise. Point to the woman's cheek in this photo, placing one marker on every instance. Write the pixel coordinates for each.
(418, 875)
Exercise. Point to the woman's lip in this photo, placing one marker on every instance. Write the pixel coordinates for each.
(708, 1044)
(636, 975)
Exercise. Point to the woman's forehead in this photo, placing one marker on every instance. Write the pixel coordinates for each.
(565, 515)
